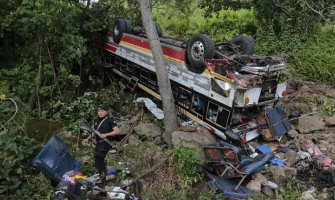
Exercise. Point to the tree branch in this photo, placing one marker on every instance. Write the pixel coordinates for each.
(283, 8)
(53, 69)
(320, 13)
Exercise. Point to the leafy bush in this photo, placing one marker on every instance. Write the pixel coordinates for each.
(290, 192)
(310, 55)
(187, 164)
(34, 187)
(186, 23)
(7, 111)
(315, 59)
(18, 80)
(287, 42)
(325, 105)
(16, 150)
(82, 109)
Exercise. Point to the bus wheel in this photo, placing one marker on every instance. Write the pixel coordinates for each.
(244, 45)
(128, 27)
(159, 30)
(120, 26)
(199, 48)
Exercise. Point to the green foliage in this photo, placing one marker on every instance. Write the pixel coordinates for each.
(4, 86)
(286, 43)
(39, 28)
(18, 80)
(328, 107)
(289, 192)
(34, 187)
(314, 60)
(184, 24)
(16, 150)
(72, 110)
(211, 195)
(187, 164)
(9, 118)
(82, 109)
(55, 47)
(304, 15)
(325, 105)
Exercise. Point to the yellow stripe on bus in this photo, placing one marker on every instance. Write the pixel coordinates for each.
(139, 84)
(218, 76)
(190, 115)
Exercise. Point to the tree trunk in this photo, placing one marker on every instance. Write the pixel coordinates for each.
(170, 117)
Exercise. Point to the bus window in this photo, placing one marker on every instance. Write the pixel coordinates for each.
(123, 65)
(220, 87)
(118, 62)
(129, 69)
(174, 91)
(144, 76)
(198, 104)
(153, 81)
(137, 71)
(184, 97)
(223, 116)
(212, 112)
(217, 114)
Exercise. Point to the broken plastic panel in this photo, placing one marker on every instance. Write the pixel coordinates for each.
(278, 121)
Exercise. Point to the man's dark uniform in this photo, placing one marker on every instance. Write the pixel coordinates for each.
(102, 147)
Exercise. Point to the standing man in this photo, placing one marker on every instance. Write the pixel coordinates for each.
(107, 127)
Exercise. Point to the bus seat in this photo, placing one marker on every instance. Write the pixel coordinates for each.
(54, 160)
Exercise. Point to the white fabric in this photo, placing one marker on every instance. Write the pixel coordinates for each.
(152, 107)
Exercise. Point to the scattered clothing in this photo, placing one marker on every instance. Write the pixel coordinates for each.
(264, 149)
(326, 162)
(303, 155)
(313, 149)
(278, 162)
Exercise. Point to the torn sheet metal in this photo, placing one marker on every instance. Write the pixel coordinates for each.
(252, 135)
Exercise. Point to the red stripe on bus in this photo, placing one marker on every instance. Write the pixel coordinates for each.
(178, 55)
(110, 47)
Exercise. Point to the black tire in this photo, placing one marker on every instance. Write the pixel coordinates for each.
(199, 48)
(120, 26)
(159, 30)
(128, 27)
(244, 45)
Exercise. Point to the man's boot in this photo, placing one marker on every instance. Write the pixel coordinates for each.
(102, 179)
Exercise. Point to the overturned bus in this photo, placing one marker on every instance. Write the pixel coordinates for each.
(220, 86)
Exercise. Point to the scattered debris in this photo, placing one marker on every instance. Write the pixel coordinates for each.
(303, 153)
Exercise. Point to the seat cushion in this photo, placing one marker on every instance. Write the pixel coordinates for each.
(226, 187)
(246, 160)
(235, 148)
(257, 164)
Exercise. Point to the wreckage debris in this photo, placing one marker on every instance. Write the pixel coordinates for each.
(55, 162)
(281, 162)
